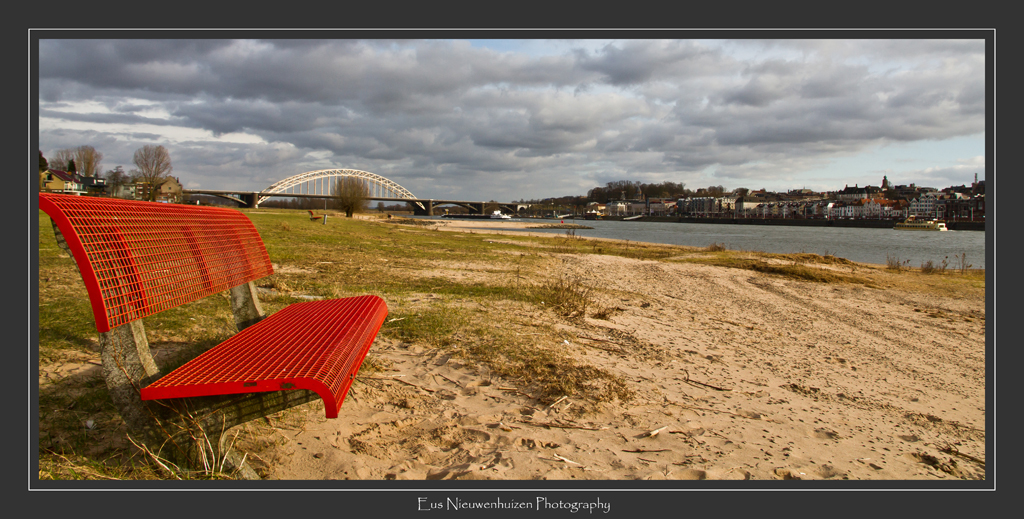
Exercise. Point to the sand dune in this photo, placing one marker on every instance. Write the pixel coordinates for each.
(737, 374)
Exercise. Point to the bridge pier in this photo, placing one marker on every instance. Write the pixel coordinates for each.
(478, 207)
(251, 199)
(428, 208)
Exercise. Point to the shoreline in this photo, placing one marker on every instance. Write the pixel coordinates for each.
(500, 228)
(787, 222)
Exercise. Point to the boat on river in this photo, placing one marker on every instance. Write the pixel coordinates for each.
(496, 215)
(913, 224)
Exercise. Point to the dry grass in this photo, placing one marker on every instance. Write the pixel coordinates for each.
(351, 256)
(568, 294)
(893, 262)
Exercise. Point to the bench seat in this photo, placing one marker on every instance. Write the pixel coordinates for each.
(318, 345)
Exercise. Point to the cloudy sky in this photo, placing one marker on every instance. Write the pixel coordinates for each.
(510, 119)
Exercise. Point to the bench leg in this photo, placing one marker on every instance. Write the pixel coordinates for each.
(245, 305)
(63, 244)
(190, 432)
(128, 366)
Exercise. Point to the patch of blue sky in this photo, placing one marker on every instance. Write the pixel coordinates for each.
(910, 162)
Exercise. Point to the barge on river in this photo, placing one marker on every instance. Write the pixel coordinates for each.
(913, 224)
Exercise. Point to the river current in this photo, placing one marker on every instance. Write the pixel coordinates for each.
(855, 244)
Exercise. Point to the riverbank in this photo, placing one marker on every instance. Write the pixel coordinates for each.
(512, 357)
(796, 222)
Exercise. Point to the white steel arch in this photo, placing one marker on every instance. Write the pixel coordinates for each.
(321, 182)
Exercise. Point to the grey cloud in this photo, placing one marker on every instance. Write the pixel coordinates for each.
(447, 112)
(632, 62)
(106, 118)
(755, 93)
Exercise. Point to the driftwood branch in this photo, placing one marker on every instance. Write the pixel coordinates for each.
(694, 382)
(655, 432)
(564, 426)
(553, 404)
(952, 450)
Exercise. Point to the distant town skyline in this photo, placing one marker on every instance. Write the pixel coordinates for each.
(527, 119)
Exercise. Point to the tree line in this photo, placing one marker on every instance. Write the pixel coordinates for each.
(633, 190)
(152, 166)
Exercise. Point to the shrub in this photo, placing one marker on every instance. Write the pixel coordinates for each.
(961, 263)
(892, 262)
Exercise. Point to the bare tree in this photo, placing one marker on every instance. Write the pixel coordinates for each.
(350, 195)
(87, 159)
(116, 178)
(154, 164)
(60, 159)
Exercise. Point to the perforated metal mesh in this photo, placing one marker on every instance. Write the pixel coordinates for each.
(140, 258)
(317, 345)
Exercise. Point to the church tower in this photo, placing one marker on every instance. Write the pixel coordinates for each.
(885, 182)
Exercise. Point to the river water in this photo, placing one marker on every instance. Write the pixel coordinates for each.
(853, 243)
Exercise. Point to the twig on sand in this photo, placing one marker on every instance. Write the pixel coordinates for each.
(411, 384)
(556, 402)
(598, 340)
(694, 382)
(718, 434)
(647, 450)
(564, 426)
(690, 456)
(504, 427)
(567, 460)
(948, 449)
(655, 432)
(449, 380)
(616, 348)
(716, 388)
(718, 411)
(725, 321)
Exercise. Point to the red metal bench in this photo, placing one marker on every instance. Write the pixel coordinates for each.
(140, 258)
(314, 217)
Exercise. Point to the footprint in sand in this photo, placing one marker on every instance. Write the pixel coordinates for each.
(782, 473)
(824, 434)
(533, 444)
(687, 474)
(826, 472)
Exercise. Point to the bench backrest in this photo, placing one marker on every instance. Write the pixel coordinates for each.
(140, 258)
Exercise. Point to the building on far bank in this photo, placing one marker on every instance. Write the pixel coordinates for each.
(56, 181)
(168, 190)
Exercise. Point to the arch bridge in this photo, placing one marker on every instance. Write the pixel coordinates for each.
(322, 183)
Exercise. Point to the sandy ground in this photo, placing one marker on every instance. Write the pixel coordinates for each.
(738, 375)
